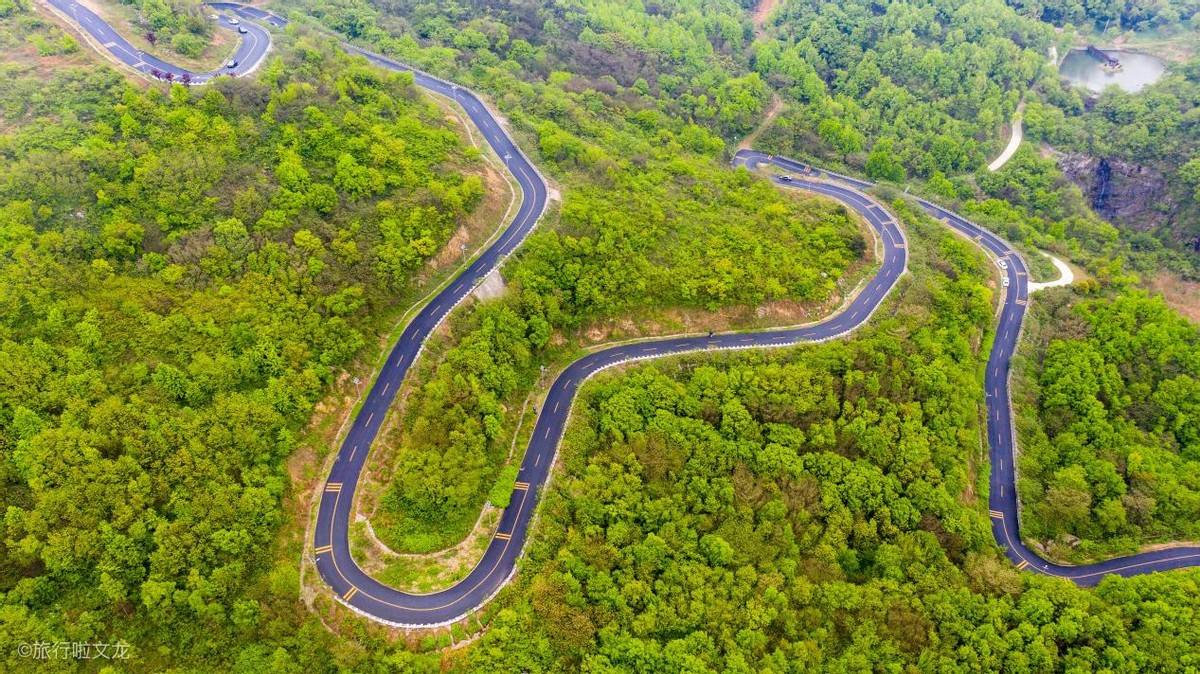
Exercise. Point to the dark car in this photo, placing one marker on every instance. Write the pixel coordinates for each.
(232, 64)
(242, 30)
(786, 179)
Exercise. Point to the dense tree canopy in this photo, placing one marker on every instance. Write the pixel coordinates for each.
(1111, 428)
(923, 86)
(813, 510)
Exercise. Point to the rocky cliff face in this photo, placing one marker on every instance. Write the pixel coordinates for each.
(1121, 192)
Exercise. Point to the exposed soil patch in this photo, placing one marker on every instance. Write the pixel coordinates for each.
(26, 55)
(761, 12)
(1182, 296)
(492, 286)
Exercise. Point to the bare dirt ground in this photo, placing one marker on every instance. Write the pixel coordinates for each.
(492, 286)
(761, 12)
(1182, 296)
(1177, 48)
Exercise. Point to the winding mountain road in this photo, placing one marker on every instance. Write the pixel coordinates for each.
(369, 597)
(255, 43)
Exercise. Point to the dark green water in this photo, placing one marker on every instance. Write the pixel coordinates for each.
(1137, 70)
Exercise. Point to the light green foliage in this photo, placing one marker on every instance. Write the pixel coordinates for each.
(183, 273)
(736, 241)
(679, 53)
(651, 218)
(502, 490)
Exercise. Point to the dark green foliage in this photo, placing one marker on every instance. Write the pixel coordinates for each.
(1155, 128)
(1168, 15)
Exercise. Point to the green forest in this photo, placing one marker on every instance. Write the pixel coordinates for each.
(815, 510)
(188, 276)
(735, 241)
(1110, 428)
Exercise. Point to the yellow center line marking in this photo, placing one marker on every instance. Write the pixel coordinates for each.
(997, 514)
(503, 537)
(323, 549)
(350, 593)
(521, 485)
(1022, 565)
(333, 486)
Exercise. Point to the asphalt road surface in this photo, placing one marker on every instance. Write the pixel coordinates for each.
(331, 548)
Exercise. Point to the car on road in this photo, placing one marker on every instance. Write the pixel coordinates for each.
(1001, 263)
(242, 30)
(786, 179)
(232, 64)
(1005, 282)
(233, 21)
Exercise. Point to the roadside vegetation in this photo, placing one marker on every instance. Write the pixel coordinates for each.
(180, 26)
(693, 235)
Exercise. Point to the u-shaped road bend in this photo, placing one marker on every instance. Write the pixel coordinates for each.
(331, 549)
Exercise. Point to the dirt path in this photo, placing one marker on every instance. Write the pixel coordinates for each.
(1182, 296)
(761, 11)
(773, 111)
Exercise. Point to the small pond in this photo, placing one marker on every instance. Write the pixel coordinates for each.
(1137, 70)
